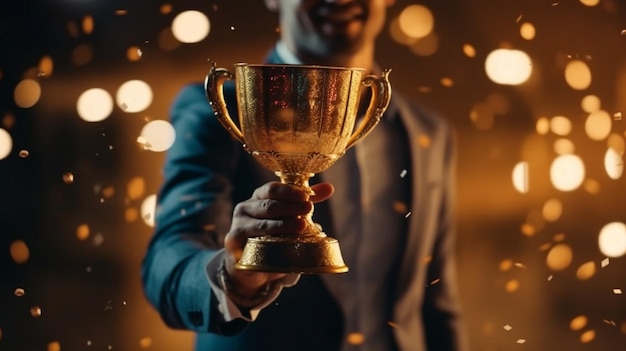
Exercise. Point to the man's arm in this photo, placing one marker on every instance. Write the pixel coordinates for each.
(193, 214)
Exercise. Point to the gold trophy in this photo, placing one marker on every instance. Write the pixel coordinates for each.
(297, 120)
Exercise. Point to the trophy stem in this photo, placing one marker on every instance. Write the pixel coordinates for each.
(301, 180)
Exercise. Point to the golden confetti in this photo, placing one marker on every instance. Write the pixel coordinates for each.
(35, 311)
(355, 338)
(520, 265)
(617, 116)
(617, 291)
(121, 12)
(609, 322)
(588, 336)
(519, 18)
(435, 281)
(145, 342)
(623, 32)
(68, 178)
(19, 292)
(24, 153)
(82, 231)
(19, 251)
(507, 327)
(604, 263)
(521, 341)
(54, 346)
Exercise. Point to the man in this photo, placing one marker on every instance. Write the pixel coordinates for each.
(388, 202)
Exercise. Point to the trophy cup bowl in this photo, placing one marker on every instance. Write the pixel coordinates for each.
(297, 120)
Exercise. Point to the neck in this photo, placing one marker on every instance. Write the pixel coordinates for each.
(363, 58)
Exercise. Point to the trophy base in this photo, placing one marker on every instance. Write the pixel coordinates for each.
(292, 254)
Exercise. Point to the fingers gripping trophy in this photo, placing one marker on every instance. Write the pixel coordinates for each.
(297, 120)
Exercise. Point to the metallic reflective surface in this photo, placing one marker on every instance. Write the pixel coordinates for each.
(297, 121)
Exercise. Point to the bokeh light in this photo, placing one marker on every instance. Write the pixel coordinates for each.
(520, 177)
(586, 271)
(19, 251)
(590, 3)
(6, 143)
(469, 50)
(559, 257)
(157, 135)
(563, 146)
(560, 125)
(191, 26)
(46, 66)
(542, 126)
(416, 21)
(508, 66)
(134, 96)
(578, 75)
(527, 31)
(27, 93)
(567, 172)
(613, 163)
(552, 210)
(612, 239)
(590, 103)
(578, 322)
(598, 125)
(148, 210)
(94, 105)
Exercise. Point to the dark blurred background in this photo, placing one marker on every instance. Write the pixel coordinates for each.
(76, 195)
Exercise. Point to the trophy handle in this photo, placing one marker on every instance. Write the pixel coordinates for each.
(381, 95)
(214, 89)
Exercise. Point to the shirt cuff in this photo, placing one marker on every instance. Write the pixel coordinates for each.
(227, 307)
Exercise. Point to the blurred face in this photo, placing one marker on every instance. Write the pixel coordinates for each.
(320, 29)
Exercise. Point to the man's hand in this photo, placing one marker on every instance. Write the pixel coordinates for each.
(274, 208)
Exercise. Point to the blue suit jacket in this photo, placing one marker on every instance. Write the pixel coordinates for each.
(206, 172)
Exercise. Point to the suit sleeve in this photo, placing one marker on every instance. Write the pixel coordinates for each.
(193, 214)
(441, 310)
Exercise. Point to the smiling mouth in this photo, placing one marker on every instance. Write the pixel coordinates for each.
(339, 14)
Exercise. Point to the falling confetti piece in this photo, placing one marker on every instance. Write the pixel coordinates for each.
(24, 153)
(407, 215)
(521, 341)
(617, 116)
(435, 281)
(623, 32)
(617, 291)
(508, 327)
(550, 277)
(232, 27)
(68, 178)
(519, 18)
(609, 322)
(605, 262)
(19, 292)
(35, 311)
(121, 12)
(403, 173)
(519, 265)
